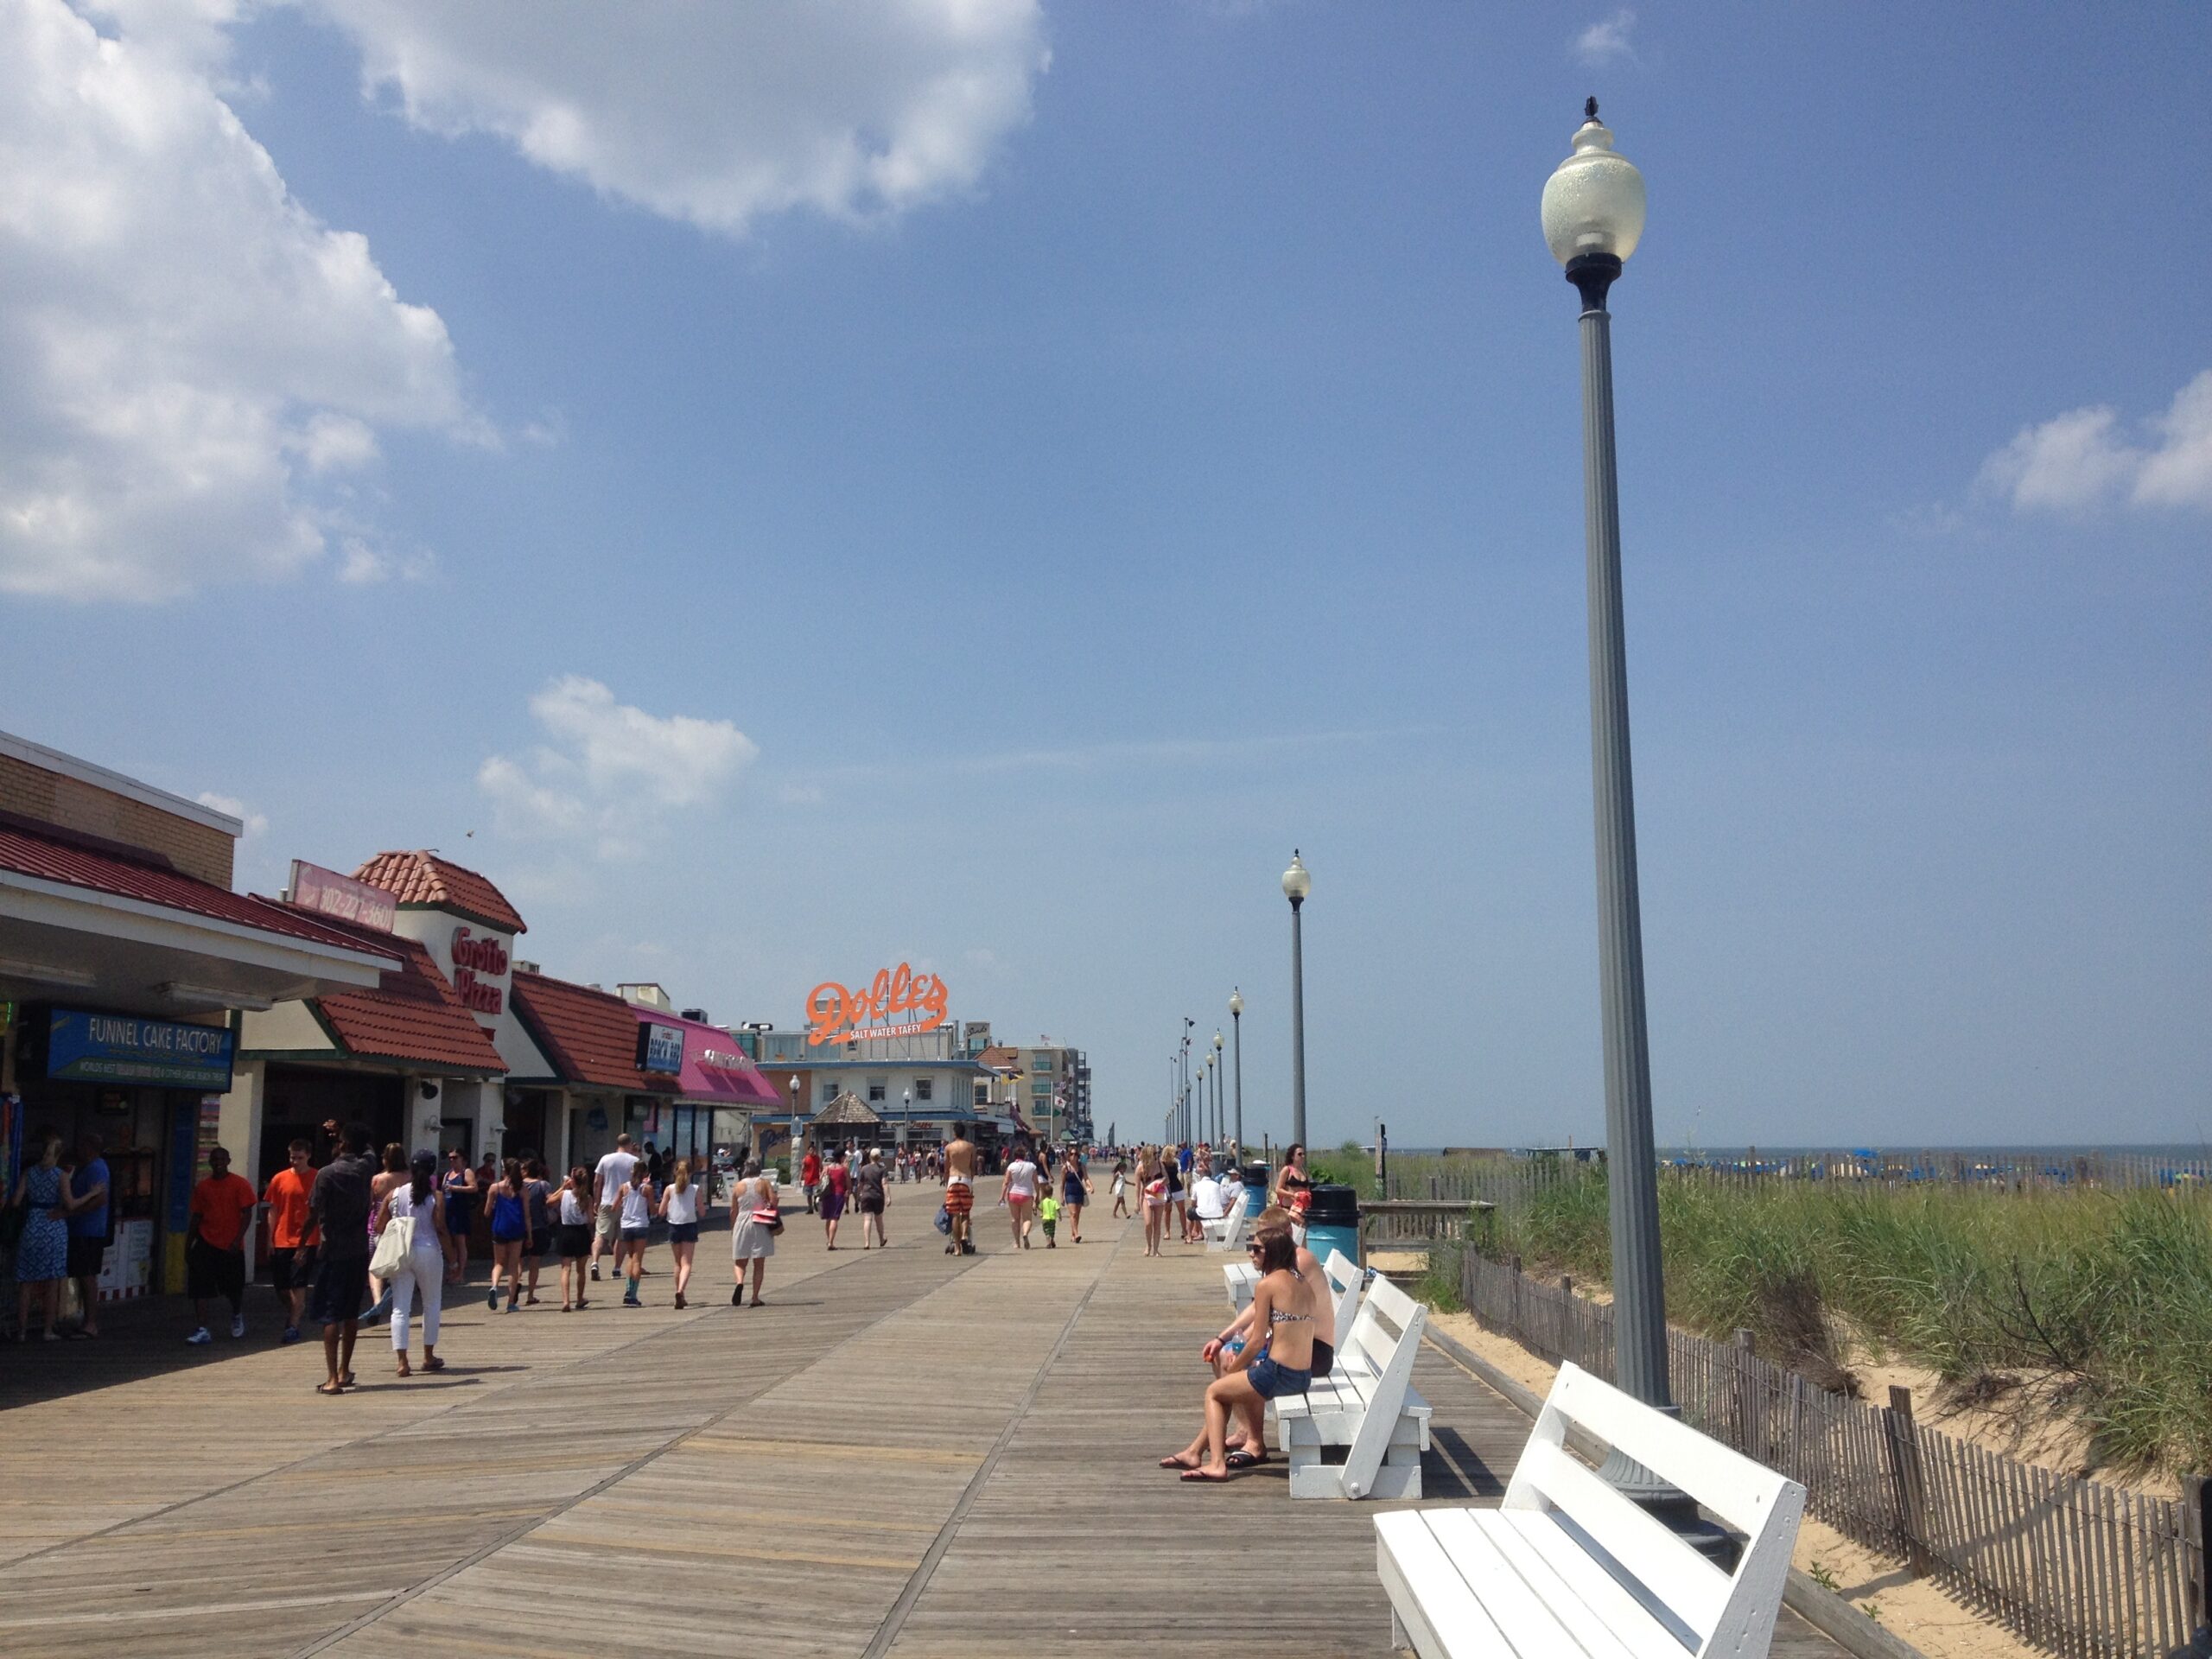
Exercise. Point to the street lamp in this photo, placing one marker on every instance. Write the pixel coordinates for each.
(1237, 1025)
(906, 1116)
(794, 1126)
(1592, 219)
(1297, 882)
(1216, 1090)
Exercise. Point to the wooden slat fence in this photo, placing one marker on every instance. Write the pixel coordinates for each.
(2074, 1567)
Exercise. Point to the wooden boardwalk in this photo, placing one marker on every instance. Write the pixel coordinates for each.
(905, 1453)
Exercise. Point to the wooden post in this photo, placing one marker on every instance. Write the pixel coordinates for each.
(1739, 1378)
(1908, 1481)
(2196, 1528)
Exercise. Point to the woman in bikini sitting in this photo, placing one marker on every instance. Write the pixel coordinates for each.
(1283, 1307)
(1235, 1347)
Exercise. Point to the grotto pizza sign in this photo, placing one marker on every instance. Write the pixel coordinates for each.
(898, 1002)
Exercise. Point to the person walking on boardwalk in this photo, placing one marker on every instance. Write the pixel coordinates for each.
(88, 1228)
(214, 1250)
(431, 1260)
(809, 1175)
(536, 1191)
(286, 1195)
(679, 1208)
(43, 1247)
(462, 1190)
(1120, 1187)
(612, 1172)
(339, 1204)
(869, 1196)
(960, 1193)
(576, 1210)
(1152, 1192)
(1018, 1193)
(389, 1173)
(754, 1224)
(836, 1187)
(1075, 1193)
(636, 1197)
(509, 1203)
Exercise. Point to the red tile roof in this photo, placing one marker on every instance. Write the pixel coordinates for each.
(413, 1015)
(591, 1036)
(81, 861)
(425, 879)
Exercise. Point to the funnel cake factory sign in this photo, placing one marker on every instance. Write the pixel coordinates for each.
(898, 1003)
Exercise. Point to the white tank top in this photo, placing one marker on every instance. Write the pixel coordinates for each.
(426, 1235)
(683, 1206)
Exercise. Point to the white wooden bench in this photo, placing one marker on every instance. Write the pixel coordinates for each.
(1227, 1233)
(1367, 1404)
(1569, 1566)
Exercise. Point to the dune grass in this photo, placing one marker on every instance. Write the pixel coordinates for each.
(2098, 1301)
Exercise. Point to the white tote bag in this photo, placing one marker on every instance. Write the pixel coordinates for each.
(392, 1246)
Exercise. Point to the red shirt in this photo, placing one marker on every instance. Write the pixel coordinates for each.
(809, 1170)
(286, 1199)
(839, 1178)
(221, 1205)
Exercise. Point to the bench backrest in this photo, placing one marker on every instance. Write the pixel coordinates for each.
(1347, 1279)
(1720, 1613)
(1385, 1340)
(1232, 1228)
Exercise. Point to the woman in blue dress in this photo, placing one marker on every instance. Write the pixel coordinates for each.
(42, 1252)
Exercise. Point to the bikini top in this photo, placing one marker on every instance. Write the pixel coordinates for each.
(1277, 1316)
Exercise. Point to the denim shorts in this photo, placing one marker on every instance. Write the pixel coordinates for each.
(1271, 1381)
(679, 1232)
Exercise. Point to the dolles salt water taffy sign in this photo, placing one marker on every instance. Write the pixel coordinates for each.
(837, 1014)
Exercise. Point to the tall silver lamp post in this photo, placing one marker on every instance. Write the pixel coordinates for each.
(1296, 884)
(794, 1128)
(1217, 1125)
(1592, 219)
(1236, 1025)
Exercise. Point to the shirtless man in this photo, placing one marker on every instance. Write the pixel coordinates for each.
(960, 1193)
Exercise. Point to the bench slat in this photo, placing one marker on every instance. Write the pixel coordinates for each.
(1444, 1618)
(1537, 1619)
(1604, 1596)
(1693, 1587)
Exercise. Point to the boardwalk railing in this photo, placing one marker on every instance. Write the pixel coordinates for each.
(2074, 1567)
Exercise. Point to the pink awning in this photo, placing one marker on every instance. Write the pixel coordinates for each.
(716, 1070)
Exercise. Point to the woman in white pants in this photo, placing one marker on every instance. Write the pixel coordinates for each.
(429, 1263)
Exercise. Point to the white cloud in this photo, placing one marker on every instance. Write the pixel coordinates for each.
(2087, 457)
(611, 772)
(193, 358)
(717, 114)
(256, 824)
(1608, 42)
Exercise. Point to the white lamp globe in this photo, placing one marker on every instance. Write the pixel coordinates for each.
(1297, 880)
(1594, 202)
(1236, 1002)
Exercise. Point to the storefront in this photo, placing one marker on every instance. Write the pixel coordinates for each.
(718, 1089)
(592, 1086)
(122, 955)
(387, 1056)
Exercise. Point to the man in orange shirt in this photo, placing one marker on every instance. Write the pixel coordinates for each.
(809, 1175)
(215, 1244)
(292, 1236)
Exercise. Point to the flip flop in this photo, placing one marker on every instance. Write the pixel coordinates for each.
(1240, 1458)
(325, 1388)
(1176, 1462)
(1203, 1475)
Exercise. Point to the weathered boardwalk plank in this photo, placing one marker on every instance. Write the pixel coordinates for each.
(903, 1455)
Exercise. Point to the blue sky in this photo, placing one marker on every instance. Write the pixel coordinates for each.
(977, 483)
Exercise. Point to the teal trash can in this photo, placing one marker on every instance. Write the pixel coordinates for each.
(1256, 1177)
(1332, 1221)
